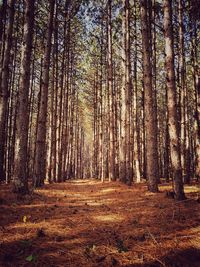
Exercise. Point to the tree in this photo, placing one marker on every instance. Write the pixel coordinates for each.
(150, 122)
(185, 153)
(111, 96)
(171, 103)
(4, 84)
(125, 138)
(193, 21)
(40, 158)
(21, 178)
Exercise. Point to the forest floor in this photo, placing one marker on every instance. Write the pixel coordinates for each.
(88, 223)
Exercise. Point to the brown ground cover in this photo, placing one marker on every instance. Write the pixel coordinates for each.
(89, 223)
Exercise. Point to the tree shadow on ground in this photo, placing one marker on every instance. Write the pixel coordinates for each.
(100, 225)
(189, 257)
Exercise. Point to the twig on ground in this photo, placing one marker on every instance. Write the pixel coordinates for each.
(152, 236)
(156, 259)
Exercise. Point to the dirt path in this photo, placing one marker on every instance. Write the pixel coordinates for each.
(87, 223)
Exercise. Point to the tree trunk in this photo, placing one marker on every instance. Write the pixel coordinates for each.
(171, 103)
(40, 160)
(150, 122)
(183, 99)
(122, 152)
(111, 97)
(196, 86)
(20, 176)
(4, 84)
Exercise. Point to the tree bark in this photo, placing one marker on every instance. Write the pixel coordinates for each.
(150, 122)
(40, 160)
(4, 85)
(171, 102)
(20, 176)
(111, 97)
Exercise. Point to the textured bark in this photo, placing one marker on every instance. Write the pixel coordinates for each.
(171, 103)
(128, 95)
(40, 159)
(111, 97)
(4, 85)
(62, 102)
(153, 38)
(56, 89)
(136, 127)
(126, 142)
(66, 103)
(20, 176)
(150, 122)
(2, 14)
(101, 126)
(95, 125)
(3, 4)
(197, 130)
(185, 153)
(10, 123)
(196, 86)
(166, 144)
(122, 152)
